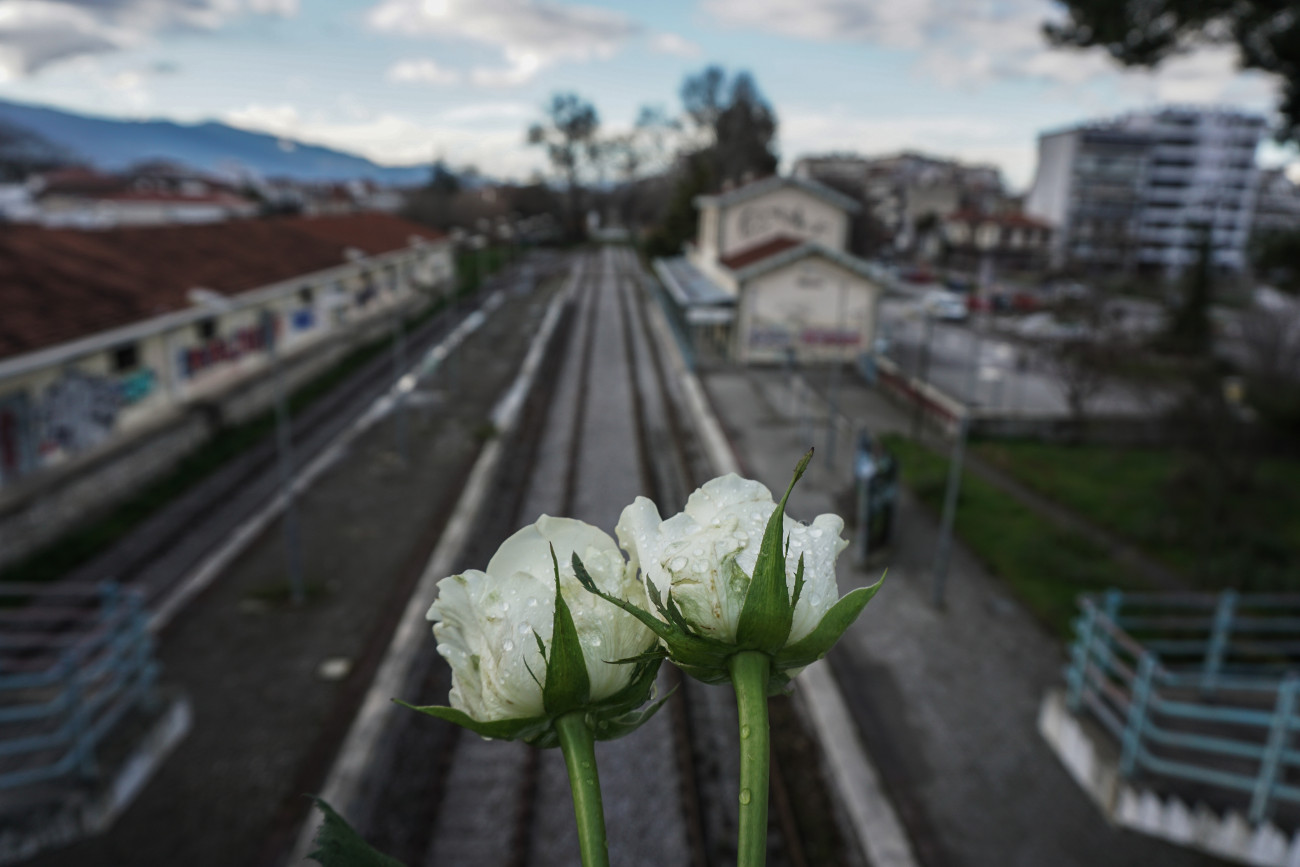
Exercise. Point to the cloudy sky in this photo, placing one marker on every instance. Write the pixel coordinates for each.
(405, 81)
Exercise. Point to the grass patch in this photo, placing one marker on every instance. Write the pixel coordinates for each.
(83, 543)
(1045, 566)
(1158, 501)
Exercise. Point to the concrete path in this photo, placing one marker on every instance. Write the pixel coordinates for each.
(946, 701)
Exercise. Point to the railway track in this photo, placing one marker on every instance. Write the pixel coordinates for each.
(602, 425)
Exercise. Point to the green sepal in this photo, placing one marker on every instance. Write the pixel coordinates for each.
(338, 845)
(702, 658)
(840, 617)
(768, 613)
(519, 729)
(568, 685)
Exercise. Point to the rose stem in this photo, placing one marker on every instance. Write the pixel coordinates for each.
(579, 748)
(749, 673)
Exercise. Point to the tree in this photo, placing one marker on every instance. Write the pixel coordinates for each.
(729, 128)
(1266, 34)
(1276, 258)
(1189, 327)
(569, 136)
(733, 121)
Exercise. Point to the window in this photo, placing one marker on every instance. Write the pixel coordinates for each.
(126, 357)
(305, 294)
(206, 329)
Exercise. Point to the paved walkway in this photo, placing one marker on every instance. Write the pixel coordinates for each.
(946, 701)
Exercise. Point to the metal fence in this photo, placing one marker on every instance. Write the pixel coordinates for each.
(73, 661)
(1198, 689)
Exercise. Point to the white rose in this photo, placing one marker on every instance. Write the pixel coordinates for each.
(485, 621)
(689, 555)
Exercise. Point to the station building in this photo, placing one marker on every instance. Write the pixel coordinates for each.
(769, 279)
(123, 349)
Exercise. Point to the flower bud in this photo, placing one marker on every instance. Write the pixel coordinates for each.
(524, 650)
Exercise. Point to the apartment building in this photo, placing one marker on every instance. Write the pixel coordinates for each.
(1140, 191)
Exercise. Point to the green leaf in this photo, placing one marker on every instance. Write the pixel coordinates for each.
(337, 845)
(767, 614)
(815, 644)
(568, 685)
(519, 729)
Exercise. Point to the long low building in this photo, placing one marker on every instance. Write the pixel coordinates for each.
(107, 335)
(768, 279)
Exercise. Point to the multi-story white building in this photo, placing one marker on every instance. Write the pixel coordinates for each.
(1201, 176)
(1141, 190)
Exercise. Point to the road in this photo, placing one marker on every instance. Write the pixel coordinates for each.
(977, 366)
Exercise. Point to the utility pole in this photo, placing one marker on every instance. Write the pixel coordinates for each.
(944, 549)
(399, 371)
(923, 374)
(284, 447)
(833, 406)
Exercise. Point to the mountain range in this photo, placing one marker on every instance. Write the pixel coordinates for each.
(111, 144)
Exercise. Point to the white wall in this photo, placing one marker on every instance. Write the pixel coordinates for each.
(785, 211)
(823, 310)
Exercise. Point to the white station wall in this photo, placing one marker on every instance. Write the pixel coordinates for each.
(824, 312)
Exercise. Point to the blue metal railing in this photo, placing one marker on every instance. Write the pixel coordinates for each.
(1195, 687)
(74, 659)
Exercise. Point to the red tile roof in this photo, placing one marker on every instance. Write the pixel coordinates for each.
(757, 253)
(58, 285)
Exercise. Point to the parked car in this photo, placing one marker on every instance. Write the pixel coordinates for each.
(947, 306)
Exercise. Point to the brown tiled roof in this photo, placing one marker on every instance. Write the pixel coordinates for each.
(757, 253)
(58, 285)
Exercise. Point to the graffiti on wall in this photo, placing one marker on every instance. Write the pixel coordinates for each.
(18, 447)
(770, 335)
(78, 411)
(226, 348)
(136, 386)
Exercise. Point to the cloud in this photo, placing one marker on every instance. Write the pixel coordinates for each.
(37, 33)
(671, 43)
(969, 43)
(423, 71)
(530, 34)
(394, 139)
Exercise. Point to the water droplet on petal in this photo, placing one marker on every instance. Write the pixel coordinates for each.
(742, 536)
(745, 796)
(815, 532)
(677, 563)
(507, 645)
(594, 641)
(525, 628)
(532, 601)
(505, 606)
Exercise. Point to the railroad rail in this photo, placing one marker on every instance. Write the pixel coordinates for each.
(602, 424)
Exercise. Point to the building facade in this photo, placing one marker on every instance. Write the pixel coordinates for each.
(769, 277)
(84, 366)
(1140, 191)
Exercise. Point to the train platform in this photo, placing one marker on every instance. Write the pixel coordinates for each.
(945, 701)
